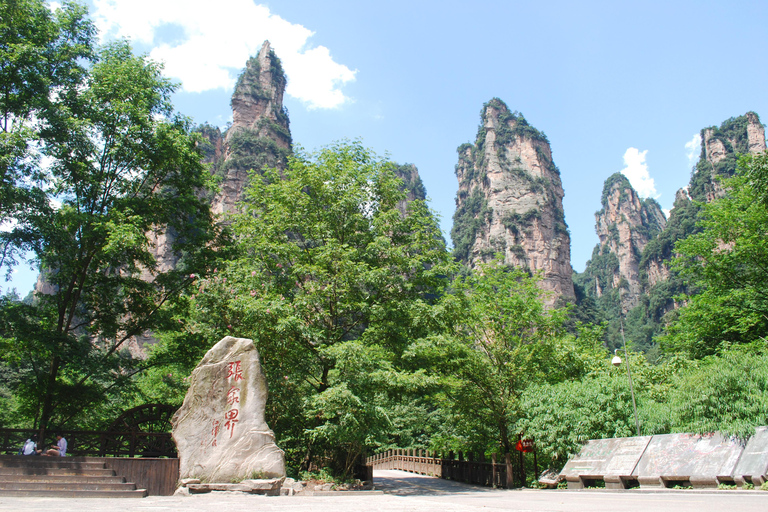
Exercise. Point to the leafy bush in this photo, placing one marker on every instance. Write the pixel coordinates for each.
(561, 417)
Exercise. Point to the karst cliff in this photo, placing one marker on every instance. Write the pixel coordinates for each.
(625, 225)
(509, 200)
(630, 275)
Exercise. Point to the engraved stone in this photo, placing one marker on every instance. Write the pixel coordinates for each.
(220, 430)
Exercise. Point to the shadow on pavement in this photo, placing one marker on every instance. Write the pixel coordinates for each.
(402, 483)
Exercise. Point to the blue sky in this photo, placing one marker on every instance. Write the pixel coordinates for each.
(614, 85)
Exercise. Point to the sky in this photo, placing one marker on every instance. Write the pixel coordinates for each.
(616, 86)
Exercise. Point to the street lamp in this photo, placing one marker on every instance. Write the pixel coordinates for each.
(616, 361)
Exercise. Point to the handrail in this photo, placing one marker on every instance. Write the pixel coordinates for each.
(486, 473)
(95, 443)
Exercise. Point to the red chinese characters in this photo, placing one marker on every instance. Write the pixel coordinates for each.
(231, 417)
(234, 370)
(215, 431)
(234, 374)
(233, 395)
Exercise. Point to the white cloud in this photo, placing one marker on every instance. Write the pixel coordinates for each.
(636, 171)
(666, 212)
(214, 42)
(693, 148)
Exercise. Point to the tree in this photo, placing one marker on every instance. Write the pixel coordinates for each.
(331, 280)
(561, 417)
(726, 393)
(42, 54)
(727, 263)
(499, 339)
(125, 172)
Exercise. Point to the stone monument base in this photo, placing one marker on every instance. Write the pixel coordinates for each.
(269, 487)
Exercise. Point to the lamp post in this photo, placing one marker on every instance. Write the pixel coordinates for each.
(616, 361)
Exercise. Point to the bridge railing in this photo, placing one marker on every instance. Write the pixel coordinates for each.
(472, 469)
(95, 444)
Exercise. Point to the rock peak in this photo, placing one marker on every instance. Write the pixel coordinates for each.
(260, 135)
(259, 94)
(625, 225)
(614, 181)
(510, 200)
(720, 148)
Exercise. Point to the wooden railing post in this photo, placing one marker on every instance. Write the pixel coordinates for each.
(522, 464)
(510, 483)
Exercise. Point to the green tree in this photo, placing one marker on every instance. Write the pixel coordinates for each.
(498, 339)
(42, 54)
(561, 417)
(332, 281)
(727, 262)
(124, 173)
(726, 393)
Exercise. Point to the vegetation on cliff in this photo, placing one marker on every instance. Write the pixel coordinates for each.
(470, 217)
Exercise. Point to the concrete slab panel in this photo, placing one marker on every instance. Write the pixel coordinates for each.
(671, 455)
(754, 459)
(604, 457)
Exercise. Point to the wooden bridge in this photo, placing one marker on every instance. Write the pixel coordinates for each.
(471, 469)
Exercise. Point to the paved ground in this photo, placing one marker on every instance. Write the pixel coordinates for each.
(405, 492)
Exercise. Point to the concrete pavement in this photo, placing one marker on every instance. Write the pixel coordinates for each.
(406, 492)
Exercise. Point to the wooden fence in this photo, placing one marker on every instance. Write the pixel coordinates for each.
(158, 476)
(95, 444)
(473, 470)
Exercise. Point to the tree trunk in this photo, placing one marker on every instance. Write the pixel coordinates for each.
(48, 406)
(504, 437)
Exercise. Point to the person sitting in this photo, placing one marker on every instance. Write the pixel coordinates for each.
(30, 447)
(60, 448)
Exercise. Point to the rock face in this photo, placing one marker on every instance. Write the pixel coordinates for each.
(755, 134)
(412, 185)
(720, 149)
(636, 247)
(259, 136)
(220, 430)
(625, 225)
(510, 200)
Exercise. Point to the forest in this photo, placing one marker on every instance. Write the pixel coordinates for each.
(372, 333)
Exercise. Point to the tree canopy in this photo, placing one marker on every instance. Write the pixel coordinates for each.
(727, 262)
(330, 278)
(114, 171)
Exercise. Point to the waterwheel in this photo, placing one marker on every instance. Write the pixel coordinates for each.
(142, 431)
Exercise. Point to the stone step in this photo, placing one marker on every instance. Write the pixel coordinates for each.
(6, 471)
(138, 493)
(63, 479)
(65, 486)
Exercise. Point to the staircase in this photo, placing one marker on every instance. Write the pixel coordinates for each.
(62, 477)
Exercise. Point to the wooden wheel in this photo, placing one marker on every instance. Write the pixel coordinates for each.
(142, 431)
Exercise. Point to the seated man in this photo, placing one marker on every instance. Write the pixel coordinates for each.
(60, 448)
(30, 447)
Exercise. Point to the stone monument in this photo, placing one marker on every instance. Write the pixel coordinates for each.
(220, 430)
